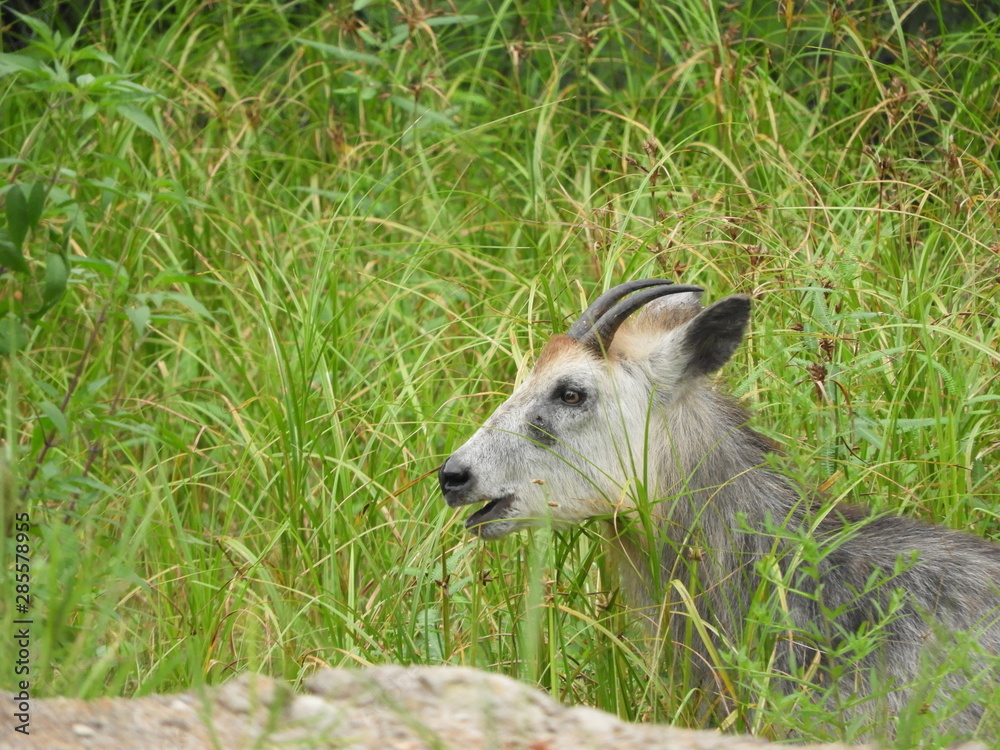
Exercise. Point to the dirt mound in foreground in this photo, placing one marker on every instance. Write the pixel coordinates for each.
(382, 708)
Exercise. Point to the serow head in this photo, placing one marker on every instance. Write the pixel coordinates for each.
(578, 432)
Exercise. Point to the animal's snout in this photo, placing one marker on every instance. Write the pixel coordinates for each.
(455, 479)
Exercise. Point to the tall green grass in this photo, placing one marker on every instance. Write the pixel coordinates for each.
(310, 249)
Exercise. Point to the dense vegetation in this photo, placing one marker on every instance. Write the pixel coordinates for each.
(264, 265)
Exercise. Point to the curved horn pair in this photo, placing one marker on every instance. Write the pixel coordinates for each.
(599, 322)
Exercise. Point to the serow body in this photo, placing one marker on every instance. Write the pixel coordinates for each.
(618, 419)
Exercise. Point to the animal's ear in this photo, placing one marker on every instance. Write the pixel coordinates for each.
(712, 336)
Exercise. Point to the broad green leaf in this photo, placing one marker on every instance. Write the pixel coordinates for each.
(400, 33)
(39, 27)
(36, 204)
(97, 385)
(141, 120)
(115, 85)
(186, 300)
(10, 256)
(55, 416)
(56, 276)
(11, 63)
(17, 216)
(139, 317)
(92, 53)
(13, 337)
(344, 54)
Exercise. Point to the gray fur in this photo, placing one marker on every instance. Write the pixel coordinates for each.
(653, 434)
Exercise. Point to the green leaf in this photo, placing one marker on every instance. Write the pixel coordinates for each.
(186, 300)
(36, 204)
(365, 35)
(139, 317)
(450, 20)
(42, 29)
(56, 276)
(909, 425)
(17, 216)
(93, 53)
(98, 384)
(141, 120)
(344, 54)
(55, 416)
(13, 337)
(11, 63)
(400, 33)
(10, 256)
(422, 112)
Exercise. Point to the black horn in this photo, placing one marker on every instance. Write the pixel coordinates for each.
(606, 301)
(599, 336)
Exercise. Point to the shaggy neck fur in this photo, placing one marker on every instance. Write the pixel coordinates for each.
(715, 502)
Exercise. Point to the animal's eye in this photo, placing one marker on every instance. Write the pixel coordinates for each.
(572, 396)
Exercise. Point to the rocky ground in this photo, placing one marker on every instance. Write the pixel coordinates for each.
(381, 708)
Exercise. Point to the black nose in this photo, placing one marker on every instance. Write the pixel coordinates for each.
(454, 477)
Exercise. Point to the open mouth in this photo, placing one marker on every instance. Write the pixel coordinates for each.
(494, 510)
